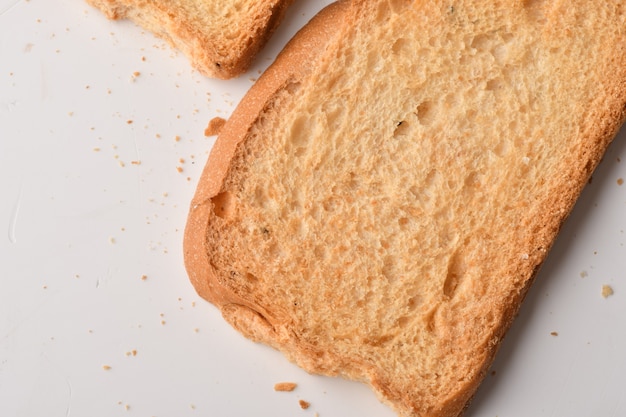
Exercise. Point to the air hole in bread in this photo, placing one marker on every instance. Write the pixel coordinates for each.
(402, 129)
(429, 320)
(412, 303)
(331, 203)
(482, 42)
(425, 112)
(223, 204)
(456, 272)
(502, 148)
(389, 268)
(403, 221)
(403, 321)
(401, 46)
(494, 84)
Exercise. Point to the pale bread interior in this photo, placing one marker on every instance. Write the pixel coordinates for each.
(385, 214)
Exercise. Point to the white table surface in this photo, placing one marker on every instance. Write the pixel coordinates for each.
(97, 118)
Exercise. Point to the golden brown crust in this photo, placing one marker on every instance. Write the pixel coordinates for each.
(188, 26)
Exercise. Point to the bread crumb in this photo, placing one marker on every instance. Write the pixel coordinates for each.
(106, 367)
(285, 386)
(135, 162)
(112, 240)
(129, 122)
(554, 333)
(607, 291)
(96, 149)
(177, 138)
(304, 404)
(144, 277)
(583, 274)
(179, 169)
(620, 181)
(215, 126)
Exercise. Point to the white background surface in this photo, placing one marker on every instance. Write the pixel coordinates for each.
(90, 203)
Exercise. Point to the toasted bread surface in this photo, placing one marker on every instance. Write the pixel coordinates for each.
(381, 200)
(220, 37)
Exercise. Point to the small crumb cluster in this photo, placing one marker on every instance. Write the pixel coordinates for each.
(288, 387)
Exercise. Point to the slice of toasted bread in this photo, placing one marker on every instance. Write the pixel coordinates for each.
(220, 38)
(380, 201)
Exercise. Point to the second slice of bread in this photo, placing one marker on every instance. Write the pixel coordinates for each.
(380, 202)
(220, 38)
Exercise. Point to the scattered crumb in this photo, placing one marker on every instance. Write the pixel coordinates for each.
(554, 333)
(144, 277)
(121, 164)
(214, 126)
(130, 122)
(304, 404)
(493, 373)
(192, 406)
(136, 74)
(607, 291)
(620, 181)
(181, 160)
(135, 162)
(126, 407)
(162, 322)
(179, 169)
(45, 287)
(112, 240)
(177, 138)
(96, 149)
(196, 330)
(143, 58)
(285, 386)
(106, 367)
(583, 274)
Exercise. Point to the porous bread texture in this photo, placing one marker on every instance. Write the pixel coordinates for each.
(381, 213)
(220, 37)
